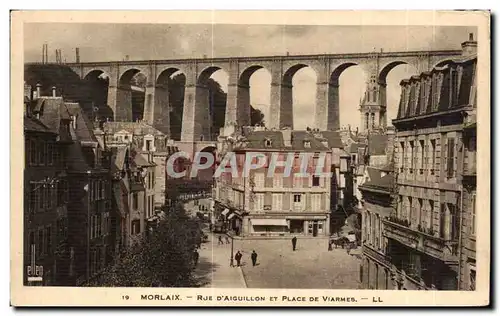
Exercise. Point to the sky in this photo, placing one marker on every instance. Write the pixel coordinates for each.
(107, 42)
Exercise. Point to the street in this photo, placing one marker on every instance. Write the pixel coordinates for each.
(213, 268)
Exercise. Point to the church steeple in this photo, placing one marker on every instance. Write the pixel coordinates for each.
(373, 107)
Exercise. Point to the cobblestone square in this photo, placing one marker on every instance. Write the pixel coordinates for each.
(311, 266)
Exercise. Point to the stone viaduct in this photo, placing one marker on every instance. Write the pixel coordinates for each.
(196, 119)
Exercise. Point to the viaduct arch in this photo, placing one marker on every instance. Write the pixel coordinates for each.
(196, 125)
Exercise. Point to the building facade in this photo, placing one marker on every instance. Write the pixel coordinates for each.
(259, 205)
(376, 270)
(46, 251)
(150, 143)
(431, 237)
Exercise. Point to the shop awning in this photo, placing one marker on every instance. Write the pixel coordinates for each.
(269, 222)
(224, 213)
(230, 216)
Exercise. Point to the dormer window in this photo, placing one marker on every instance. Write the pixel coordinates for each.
(267, 142)
(307, 144)
(149, 144)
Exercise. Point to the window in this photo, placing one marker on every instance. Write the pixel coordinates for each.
(91, 224)
(431, 215)
(435, 92)
(412, 156)
(135, 201)
(403, 156)
(136, 227)
(31, 242)
(267, 143)
(472, 277)
(307, 144)
(61, 229)
(433, 156)
(297, 202)
(33, 152)
(297, 182)
(50, 155)
(33, 196)
(450, 158)
(411, 207)
(373, 120)
(315, 181)
(454, 87)
(316, 202)
(278, 180)
(367, 121)
(423, 95)
(40, 246)
(259, 179)
(455, 221)
(148, 145)
(442, 214)
(473, 214)
(48, 240)
(42, 190)
(277, 201)
(259, 202)
(296, 198)
(420, 216)
(422, 156)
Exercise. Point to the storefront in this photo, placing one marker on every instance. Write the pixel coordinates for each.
(310, 227)
(269, 226)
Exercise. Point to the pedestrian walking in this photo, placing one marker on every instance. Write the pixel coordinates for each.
(294, 242)
(238, 257)
(227, 240)
(219, 242)
(196, 256)
(254, 258)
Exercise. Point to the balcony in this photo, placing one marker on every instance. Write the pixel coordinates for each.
(380, 257)
(421, 240)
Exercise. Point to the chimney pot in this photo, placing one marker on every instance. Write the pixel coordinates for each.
(54, 93)
(471, 36)
(38, 90)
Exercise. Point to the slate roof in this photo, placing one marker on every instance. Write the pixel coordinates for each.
(31, 124)
(137, 128)
(118, 155)
(257, 139)
(354, 148)
(379, 183)
(334, 139)
(373, 173)
(84, 127)
(377, 144)
(51, 111)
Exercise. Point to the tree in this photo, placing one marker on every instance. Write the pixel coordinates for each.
(163, 259)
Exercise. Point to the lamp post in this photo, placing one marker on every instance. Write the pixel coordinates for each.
(232, 252)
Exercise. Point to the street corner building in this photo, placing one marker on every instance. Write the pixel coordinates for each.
(281, 205)
(419, 222)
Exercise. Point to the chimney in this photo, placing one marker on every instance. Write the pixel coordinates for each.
(77, 53)
(469, 47)
(287, 137)
(54, 93)
(38, 91)
(391, 133)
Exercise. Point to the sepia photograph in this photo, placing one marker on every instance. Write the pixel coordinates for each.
(177, 158)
